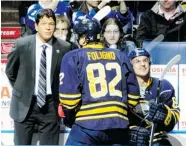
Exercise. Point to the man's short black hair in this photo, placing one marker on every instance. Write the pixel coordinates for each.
(45, 12)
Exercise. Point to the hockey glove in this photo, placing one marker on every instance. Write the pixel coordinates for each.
(159, 113)
(139, 136)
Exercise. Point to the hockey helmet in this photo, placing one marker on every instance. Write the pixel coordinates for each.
(89, 27)
(139, 52)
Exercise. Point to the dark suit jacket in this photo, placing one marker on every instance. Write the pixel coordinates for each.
(20, 71)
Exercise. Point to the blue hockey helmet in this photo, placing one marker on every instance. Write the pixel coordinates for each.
(89, 27)
(139, 52)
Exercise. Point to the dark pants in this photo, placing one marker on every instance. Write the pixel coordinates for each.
(46, 120)
(82, 136)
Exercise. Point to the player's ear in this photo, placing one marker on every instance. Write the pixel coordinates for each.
(36, 26)
(82, 41)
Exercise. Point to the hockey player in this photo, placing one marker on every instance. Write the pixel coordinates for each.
(145, 110)
(95, 83)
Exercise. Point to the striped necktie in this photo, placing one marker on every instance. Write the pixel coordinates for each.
(42, 79)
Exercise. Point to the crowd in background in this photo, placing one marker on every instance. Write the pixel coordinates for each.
(134, 21)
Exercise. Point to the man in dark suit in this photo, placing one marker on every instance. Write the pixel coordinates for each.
(33, 71)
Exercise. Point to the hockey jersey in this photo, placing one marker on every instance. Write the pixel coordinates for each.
(63, 8)
(139, 106)
(122, 18)
(95, 85)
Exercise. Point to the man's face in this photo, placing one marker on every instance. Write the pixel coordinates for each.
(45, 28)
(141, 66)
(167, 5)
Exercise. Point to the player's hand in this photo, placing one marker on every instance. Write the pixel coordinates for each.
(139, 135)
(159, 113)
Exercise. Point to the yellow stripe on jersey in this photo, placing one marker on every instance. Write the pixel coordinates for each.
(176, 115)
(132, 102)
(102, 117)
(71, 96)
(133, 96)
(69, 102)
(70, 107)
(94, 46)
(149, 82)
(175, 118)
(143, 101)
(93, 105)
(102, 110)
(168, 117)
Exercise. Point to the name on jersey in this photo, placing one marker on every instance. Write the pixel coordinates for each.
(101, 55)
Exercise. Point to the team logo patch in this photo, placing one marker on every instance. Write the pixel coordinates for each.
(84, 21)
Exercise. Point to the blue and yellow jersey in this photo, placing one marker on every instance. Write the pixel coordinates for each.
(115, 13)
(139, 106)
(95, 84)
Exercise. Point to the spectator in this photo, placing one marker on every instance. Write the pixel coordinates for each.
(88, 5)
(59, 8)
(23, 7)
(89, 8)
(167, 17)
(141, 9)
(75, 4)
(120, 12)
(63, 27)
(113, 36)
(33, 71)
(94, 86)
(63, 30)
(144, 110)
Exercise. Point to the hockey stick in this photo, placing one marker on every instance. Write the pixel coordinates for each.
(102, 13)
(172, 62)
(154, 42)
(169, 65)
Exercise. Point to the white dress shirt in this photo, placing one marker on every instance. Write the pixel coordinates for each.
(38, 51)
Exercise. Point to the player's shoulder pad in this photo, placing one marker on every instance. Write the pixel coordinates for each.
(71, 54)
(166, 84)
